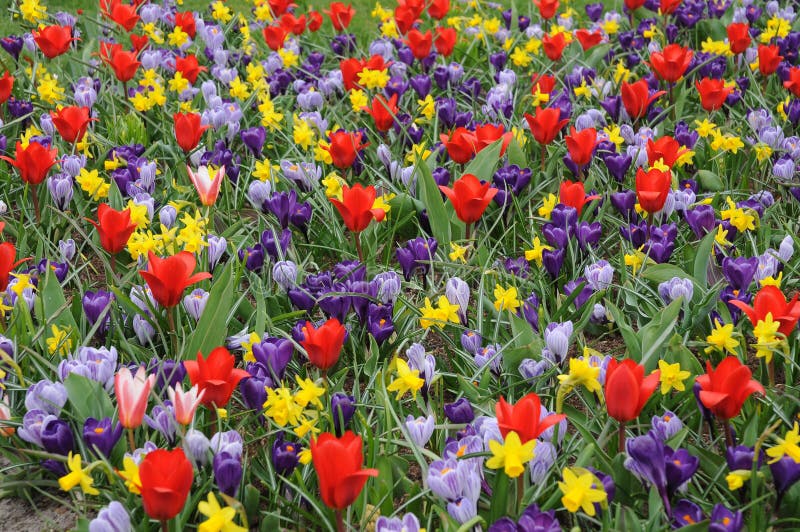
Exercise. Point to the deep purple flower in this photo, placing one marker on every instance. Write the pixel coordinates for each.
(285, 455)
(741, 457)
(13, 45)
(253, 390)
(379, 322)
(254, 139)
(588, 234)
(625, 204)
(416, 255)
(686, 513)
(57, 436)
(97, 305)
(253, 257)
(343, 407)
(701, 219)
(618, 165)
(530, 311)
(535, 520)
(275, 354)
(585, 293)
(666, 426)
(739, 271)
(785, 472)
(552, 260)
(725, 520)
(100, 436)
(646, 460)
(680, 467)
(276, 245)
(227, 472)
(459, 411)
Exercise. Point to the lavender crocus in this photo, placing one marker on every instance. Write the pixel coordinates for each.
(47, 396)
(112, 518)
(557, 337)
(420, 429)
(457, 291)
(674, 288)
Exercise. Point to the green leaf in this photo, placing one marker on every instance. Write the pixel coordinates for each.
(87, 398)
(484, 164)
(654, 334)
(664, 272)
(499, 506)
(710, 181)
(212, 327)
(516, 155)
(51, 308)
(383, 485)
(432, 199)
(702, 258)
(632, 342)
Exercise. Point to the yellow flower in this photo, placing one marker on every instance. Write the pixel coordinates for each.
(672, 376)
(537, 252)
(721, 237)
(439, 315)
(304, 456)
(269, 117)
(309, 392)
(766, 339)
(94, 185)
(721, 338)
(219, 519)
(22, 284)
(307, 424)
(177, 37)
(382, 202)
(220, 12)
(548, 204)
(772, 281)
(373, 79)
(705, 128)
(281, 407)
(138, 214)
(289, 58)
(60, 342)
(578, 491)
(222, 413)
(521, 58)
(427, 107)
(358, 100)
(458, 252)
(581, 373)
(634, 260)
(621, 73)
(407, 380)
(239, 89)
(49, 90)
(302, 133)
(506, 298)
(263, 171)
(32, 11)
(511, 455)
(736, 479)
(77, 475)
(333, 186)
(787, 446)
(763, 152)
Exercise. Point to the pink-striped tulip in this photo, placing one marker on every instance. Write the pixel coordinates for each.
(185, 403)
(132, 392)
(207, 185)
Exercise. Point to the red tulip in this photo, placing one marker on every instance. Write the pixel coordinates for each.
(581, 144)
(383, 112)
(636, 98)
(486, 134)
(185, 21)
(8, 252)
(671, 63)
(543, 83)
(524, 418)
(123, 63)
(188, 130)
(296, 25)
(545, 124)
(547, 8)
(338, 463)
(314, 21)
(554, 46)
(770, 299)
(667, 7)
(350, 69)
(166, 478)
(588, 39)
(768, 59)
(132, 392)
(114, 228)
(461, 144)
(344, 148)
(138, 41)
(275, 36)
(633, 5)
(438, 9)
(6, 84)
(627, 389)
(356, 207)
(469, 197)
(32, 161)
(724, 390)
(652, 188)
(792, 83)
(666, 149)
(168, 278)
(123, 14)
(340, 15)
(279, 7)
(738, 37)
(215, 376)
(71, 122)
(405, 16)
(574, 195)
(713, 93)
(323, 345)
(420, 43)
(189, 67)
(53, 40)
(445, 40)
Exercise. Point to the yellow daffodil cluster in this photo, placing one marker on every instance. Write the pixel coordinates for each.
(189, 237)
(721, 339)
(440, 315)
(767, 337)
(150, 92)
(407, 380)
(298, 409)
(741, 219)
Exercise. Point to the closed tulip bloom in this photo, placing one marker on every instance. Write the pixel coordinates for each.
(438, 9)
(547, 8)
(215, 377)
(768, 59)
(792, 83)
(420, 43)
(123, 14)
(340, 15)
(724, 390)
(738, 37)
(71, 122)
(32, 161)
(339, 466)
(524, 418)
(637, 99)
(168, 278)
(323, 344)
(671, 63)
(383, 112)
(666, 149)
(185, 403)
(207, 183)
(545, 124)
(189, 67)
(356, 207)
(275, 36)
(554, 45)
(6, 84)
(132, 392)
(574, 195)
(344, 148)
(166, 479)
(8, 253)
(53, 40)
(581, 145)
(123, 63)
(188, 130)
(113, 227)
(627, 389)
(713, 93)
(445, 40)
(652, 188)
(461, 144)
(469, 197)
(770, 300)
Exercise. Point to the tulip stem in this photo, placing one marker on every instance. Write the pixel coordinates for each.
(357, 237)
(544, 156)
(621, 438)
(520, 491)
(771, 373)
(37, 212)
(131, 443)
(468, 232)
(728, 434)
(173, 333)
(339, 521)
(164, 525)
(213, 414)
(113, 264)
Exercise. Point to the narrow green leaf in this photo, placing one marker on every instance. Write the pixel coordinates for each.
(211, 329)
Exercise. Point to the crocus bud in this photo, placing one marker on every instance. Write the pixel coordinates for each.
(675, 288)
(420, 429)
(471, 341)
(167, 216)
(459, 412)
(457, 291)
(195, 302)
(143, 329)
(343, 407)
(57, 437)
(112, 517)
(556, 338)
(196, 447)
(285, 274)
(67, 249)
(228, 473)
(216, 247)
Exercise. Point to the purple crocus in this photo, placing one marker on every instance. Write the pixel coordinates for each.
(343, 407)
(97, 306)
(285, 455)
(739, 271)
(275, 355)
(416, 255)
(459, 411)
(646, 461)
(725, 520)
(686, 513)
(228, 472)
(100, 435)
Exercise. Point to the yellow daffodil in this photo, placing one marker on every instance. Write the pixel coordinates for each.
(77, 475)
(721, 338)
(581, 373)
(219, 519)
(60, 341)
(789, 446)
(407, 380)
(579, 491)
(672, 377)
(511, 455)
(506, 298)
